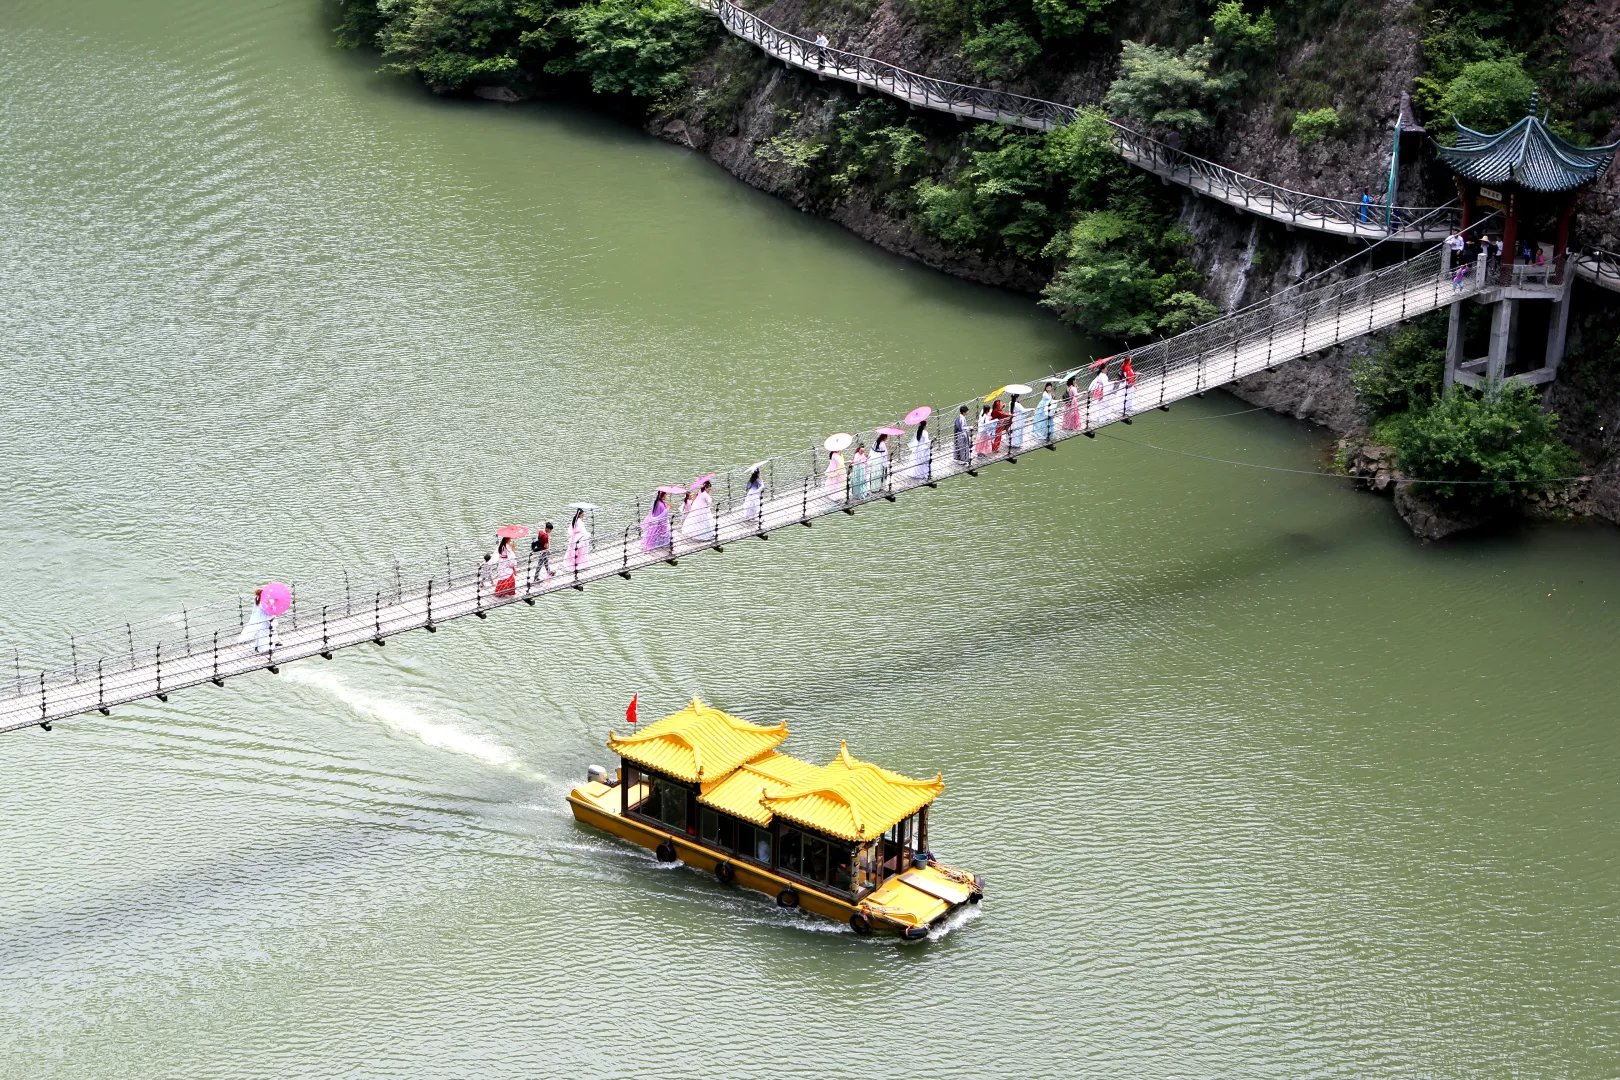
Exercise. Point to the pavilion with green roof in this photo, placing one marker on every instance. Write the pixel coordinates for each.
(1529, 174)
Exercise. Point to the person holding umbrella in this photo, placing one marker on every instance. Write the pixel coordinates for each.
(260, 628)
(922, 456)
(505, 568)
(1020, 417)
(698, 525)
(655, 526)
(579, 539)
(1000, 422)
(833, 483)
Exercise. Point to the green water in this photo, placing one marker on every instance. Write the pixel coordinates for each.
(1259, 785)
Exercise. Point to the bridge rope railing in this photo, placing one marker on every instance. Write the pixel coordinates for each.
(1600, 266)
(1235, 188)
(418, 589)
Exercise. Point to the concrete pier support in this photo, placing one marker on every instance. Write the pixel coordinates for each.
(1501, 352)
(1454, 344)
(1558, 325)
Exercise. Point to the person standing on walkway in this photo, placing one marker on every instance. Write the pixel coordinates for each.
(922, 456)
(880, 464)
(984, 436)
(1127, 375)
(540, 552)
(505, 569)
(486, 575)
(1001, 421)
(1020, 424)
(1045, 410)
(655, 526)
(754, 497)
(1071, 403)
(260, 627)
(962, 433)
(821, 51)
(698, 524)
(579, 543)
(1366, 207)
(1099, 395)
(833, 482)
(860, 475)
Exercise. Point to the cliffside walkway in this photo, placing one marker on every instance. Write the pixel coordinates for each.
(198, 646)
(1296, 209)
(1601, 268)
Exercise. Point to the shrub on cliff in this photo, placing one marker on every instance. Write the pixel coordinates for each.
(1162, 88)
(1406, 372)
(449, 43)
(636, 47)
(1500, 443)
(994, 201)
(1123, 277)
(1313, 125)
(1489, 94)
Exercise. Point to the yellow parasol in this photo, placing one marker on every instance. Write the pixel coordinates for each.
(992, 395)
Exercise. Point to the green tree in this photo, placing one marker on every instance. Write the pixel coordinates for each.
(1060, 19)
(994, 201)
(1241, 35)
(1406, 372)
(1081, 154)
(1117, 280)
(1161, 88)
(453, 43)
(636, 47)
(1313, 125)
(1001, 52)
(1500, 443)
(1489, 94)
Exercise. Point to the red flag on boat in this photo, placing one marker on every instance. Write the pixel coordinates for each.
(630, 710)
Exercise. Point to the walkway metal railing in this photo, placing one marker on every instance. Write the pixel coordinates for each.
(200, 645)
(1296, 208)
(1599, 267)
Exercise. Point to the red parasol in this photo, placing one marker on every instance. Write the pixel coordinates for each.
(512, 532)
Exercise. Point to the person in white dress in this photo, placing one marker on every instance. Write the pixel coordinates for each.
(921, 454)
(260, 628)
(1020, 424)
(753, 499)
(699, 522)
(834, 482)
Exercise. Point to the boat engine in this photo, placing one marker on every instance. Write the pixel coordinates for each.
(596, 774)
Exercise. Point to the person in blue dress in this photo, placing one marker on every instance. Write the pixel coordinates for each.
(1045, 411)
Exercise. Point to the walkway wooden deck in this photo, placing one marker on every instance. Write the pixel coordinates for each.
(1256, 339)
(1295, 209)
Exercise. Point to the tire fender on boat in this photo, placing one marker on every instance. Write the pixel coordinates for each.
(859, 923)
(665, 851)
(787, 898)
(724, 872)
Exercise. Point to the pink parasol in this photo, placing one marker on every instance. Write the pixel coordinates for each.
(700, 481)
(672, 489)
(919, 414)
(1095, 364)
(512, 532)
(888, 429)
(274, 599)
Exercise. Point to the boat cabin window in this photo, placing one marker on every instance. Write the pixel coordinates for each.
(732, 834)
(667, 803)
(817, 859)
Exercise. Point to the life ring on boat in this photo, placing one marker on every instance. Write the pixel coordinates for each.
(787, 898)
(859, 923)
(724, 872)
(914, 933)
(665, 851)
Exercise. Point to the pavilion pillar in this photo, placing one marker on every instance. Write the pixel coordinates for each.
(1467, 206)
(1496, 363)
(1454, 345)
(1510, 239)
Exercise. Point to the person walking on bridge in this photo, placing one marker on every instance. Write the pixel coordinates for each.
(860, 473)
(880, 463)
(698, 524)
(1099, 394)
(1127, 376)
(1366, 207)
(754, 497)
(486, 576)
(1001, 421)
(962, 434)
(821, 51)
(1071, 403)
(834, 480)
(922, 457)
(259, 627)
(505, 569)
(1045, 411)
(655, 526)
(1020, 424)
(984, 437)
(579, 543)
(540, 552)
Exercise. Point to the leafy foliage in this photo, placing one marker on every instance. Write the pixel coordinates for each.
(875, 142)
(1314, 125)
(1162, 88)
(795, 153)
(1500, 440)
(636, 47)
(1406, 373)
(1002, 51)
(995, 201)
(452, 43)
(1489, 94)
(1081, 155)
(1124, 275)
(1242, 35)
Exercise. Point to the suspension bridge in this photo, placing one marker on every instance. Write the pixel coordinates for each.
(1295, 209)
(194, 647)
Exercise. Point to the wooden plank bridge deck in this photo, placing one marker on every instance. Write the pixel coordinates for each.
(1295, 209)
(1248, 341)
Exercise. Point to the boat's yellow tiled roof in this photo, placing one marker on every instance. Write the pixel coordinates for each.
(698, 743)
(741, 794)
(853, 799)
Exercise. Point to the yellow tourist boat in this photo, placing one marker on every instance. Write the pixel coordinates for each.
(847, 840)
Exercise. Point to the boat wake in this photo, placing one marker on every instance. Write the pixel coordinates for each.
(407, 720)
